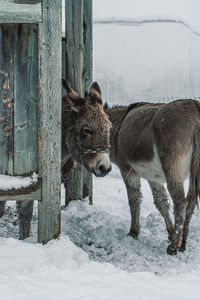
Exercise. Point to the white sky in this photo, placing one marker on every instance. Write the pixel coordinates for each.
(180, 10)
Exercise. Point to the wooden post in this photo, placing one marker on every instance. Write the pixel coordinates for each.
(87, 79)
(74, 65)
(50, 120)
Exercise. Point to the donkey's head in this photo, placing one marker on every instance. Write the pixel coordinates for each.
(87, 129)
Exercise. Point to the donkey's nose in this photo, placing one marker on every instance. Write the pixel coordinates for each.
(103, 170)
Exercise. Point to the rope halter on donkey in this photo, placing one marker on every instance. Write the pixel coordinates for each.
(88, 151)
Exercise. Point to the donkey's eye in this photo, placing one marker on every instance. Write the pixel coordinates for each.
(87, 131)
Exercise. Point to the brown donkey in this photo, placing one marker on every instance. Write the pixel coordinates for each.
(85, 138)
(161, 143)
(85, 131)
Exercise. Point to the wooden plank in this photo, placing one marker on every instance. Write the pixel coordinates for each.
(20, 11)
(74, 64)
(33, 196)
(87, 79)
(50, 120)
(25, 99)
(87, 44)
(6, 99)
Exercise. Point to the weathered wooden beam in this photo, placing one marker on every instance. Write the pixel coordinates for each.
(32, 196)
(74, 64)
(20, 11)
(87, 79)
(25, 99)
(50, 120)
(6, 98)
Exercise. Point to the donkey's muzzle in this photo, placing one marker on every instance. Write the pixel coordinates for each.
(103, 170)
(102, 165)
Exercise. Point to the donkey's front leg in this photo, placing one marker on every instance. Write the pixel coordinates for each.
(180, 203)
(25, 212)
(132, 182)
(162, 204)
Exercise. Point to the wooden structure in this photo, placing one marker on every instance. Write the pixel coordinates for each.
(30, 103)
(77, 68)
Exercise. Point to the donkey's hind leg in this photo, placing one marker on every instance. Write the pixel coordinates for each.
(162, 204)
(2, 208)
(180, 203)
(25, 212)
(192, 202)
(132, 182)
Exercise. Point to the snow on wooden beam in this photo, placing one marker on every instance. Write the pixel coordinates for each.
(18, 188)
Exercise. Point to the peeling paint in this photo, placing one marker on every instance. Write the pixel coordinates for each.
(6, 85)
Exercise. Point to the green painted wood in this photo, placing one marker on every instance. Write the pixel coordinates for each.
(6, 99)
(50, 120)
(20, 11)
(87, 79)
(25, 99)
(74, 64)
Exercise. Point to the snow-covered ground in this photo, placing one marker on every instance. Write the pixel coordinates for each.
(94, 259)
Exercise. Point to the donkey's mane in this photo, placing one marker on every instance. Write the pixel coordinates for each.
(106, 106)
(130, 106)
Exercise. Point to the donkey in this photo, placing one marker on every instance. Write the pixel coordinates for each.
(85, 131)
(85, 139)
(161, 143)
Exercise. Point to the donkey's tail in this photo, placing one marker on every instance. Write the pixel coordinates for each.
(194, 187)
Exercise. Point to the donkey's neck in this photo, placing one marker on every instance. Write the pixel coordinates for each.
(116, 116)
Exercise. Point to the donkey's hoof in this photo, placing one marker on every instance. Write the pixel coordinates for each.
(134, 234)
(183, 247)
(171, 250)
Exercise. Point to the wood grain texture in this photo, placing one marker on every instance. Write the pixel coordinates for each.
(25, 99)
(33, 196)
(6, 99)
(74, 65)
(24, 194)
(20, 11)
(87, 79)
(50, 120)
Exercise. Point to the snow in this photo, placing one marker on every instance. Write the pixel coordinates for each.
(16, 182)
(94, 259)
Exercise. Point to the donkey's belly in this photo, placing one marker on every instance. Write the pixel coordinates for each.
(150, 170)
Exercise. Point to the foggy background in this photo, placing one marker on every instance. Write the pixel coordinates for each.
(147, 50)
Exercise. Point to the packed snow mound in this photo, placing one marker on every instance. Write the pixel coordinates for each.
(181, 11)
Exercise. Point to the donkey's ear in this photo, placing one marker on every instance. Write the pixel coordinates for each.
(76, 102)
(95, 93)
(95, 89)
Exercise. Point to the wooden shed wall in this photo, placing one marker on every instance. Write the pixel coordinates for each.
(18, 99)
